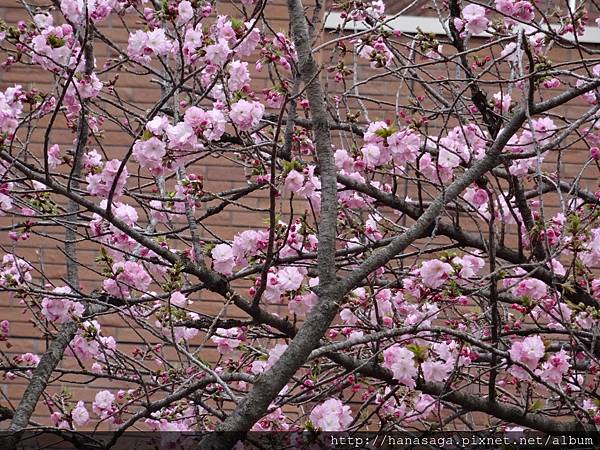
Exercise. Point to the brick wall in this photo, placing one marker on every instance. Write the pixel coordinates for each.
(218, 173)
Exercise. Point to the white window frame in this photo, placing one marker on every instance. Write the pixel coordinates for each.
(409, 24)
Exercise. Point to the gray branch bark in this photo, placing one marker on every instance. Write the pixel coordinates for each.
(470, 402)
(52, 357)
(266, 388)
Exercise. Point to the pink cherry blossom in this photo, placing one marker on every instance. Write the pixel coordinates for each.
(552, 83)
(434, 273)
(531, 288)
(127, 275)
(435, 370)
(4, 330)
(103, 403)
(60, 310)
(372, 134)
(511, 52)
(101, 184)
(302, 304)
(377, 52)
(459, 24)
(424, 406)
(274, 355)
(505, 6)
(28, 359)
(14, 271)
(274, 421)
(331, 415)
(142, 45)
(136, 49)
(223, 260)
(555, 368)
(528, 352)
(273, 98)
(371, 155)
(474, 15)
(343, 161)
(181, 136)
(252, 39)
(217, 54)
(54, 159)
(401, 362)
(227, 340)
(210, 123)
(185, 12)
(405, 146)
(238, 75)
(86, 87)
(11, 107)
(92, 159)
(43, 20)
(524, 11)
(248, 243)
(294, 181)
(448, 159)
(97, 10)
(54, 48)
(290, 278)
(246, 115)
(80, 414)
(72, 9)
(149, 154)
(502, 101)
(476, 196)
(126, 213)
(158, 41)
(178, 299)
(591, 254)
(470, 265)
(158, 125)
(165, 119)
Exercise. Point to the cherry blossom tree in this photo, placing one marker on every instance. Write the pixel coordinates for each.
(427, 257)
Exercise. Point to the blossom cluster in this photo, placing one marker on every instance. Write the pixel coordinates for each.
(431, 316)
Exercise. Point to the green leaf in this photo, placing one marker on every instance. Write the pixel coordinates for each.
(237, 24)
(419, 351)
(310, 426)
(55, 42)
(538, 405)
(385, 132)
